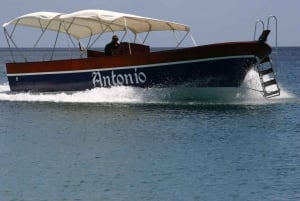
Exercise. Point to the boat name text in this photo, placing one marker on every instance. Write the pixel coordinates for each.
(118, 79)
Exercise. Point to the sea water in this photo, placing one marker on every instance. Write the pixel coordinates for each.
(144, 144)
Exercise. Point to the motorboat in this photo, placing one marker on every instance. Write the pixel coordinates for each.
(134, 62)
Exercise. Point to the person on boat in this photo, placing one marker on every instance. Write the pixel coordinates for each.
(113, 45)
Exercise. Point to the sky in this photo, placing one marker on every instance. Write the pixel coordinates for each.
(211, 21)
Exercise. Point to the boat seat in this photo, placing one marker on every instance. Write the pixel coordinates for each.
(94, 53)
(125, 47)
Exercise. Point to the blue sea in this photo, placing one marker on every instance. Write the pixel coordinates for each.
(124, 144)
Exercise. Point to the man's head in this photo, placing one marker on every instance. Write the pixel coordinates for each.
(115, 38)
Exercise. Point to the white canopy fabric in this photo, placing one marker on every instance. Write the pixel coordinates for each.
(42, 20)
(85, 23)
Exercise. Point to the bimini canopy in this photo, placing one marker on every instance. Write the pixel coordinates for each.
(42, 20)
(86, 23)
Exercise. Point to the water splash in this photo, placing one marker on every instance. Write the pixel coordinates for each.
(118, 94)
(251, 91)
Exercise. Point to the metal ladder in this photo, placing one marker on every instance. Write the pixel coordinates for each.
(265, 68)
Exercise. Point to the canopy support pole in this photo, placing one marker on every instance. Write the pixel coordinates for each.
(9, 46)
(9, 37)
(146, 37)
(55, 43)
(125, 23)
(187, 33)
(193, 40)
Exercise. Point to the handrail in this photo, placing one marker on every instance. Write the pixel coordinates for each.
(257, 22)
(268, 27)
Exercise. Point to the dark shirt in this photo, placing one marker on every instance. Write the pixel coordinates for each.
(110, 47)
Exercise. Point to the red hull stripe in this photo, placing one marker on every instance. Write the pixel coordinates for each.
(133, 67)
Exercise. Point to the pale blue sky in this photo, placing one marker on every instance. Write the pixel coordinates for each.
(210, 20)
